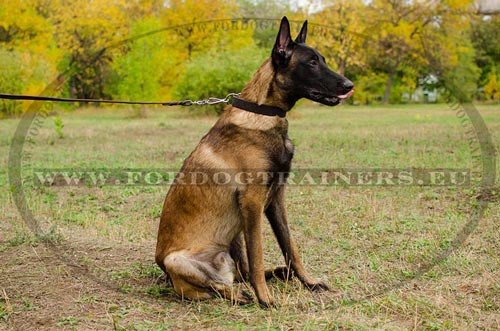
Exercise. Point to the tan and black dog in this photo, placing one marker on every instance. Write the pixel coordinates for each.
(204, 229)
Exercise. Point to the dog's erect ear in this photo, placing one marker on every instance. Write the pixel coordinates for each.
(282, 50)
(301, 37)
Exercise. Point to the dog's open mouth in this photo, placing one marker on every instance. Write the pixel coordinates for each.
(334, 100)
(345, 96)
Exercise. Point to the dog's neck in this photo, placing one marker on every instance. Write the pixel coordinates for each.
(262, 90)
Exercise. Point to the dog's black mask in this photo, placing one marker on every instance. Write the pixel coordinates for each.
(301, 71)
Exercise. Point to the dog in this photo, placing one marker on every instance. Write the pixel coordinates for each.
(211, 235)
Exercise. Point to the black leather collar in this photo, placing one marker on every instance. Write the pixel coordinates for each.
(258, 109)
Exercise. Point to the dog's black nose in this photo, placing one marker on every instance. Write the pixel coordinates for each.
(347, 85)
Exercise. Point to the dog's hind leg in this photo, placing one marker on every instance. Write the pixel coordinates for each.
(283, 272)
(199, 276)
(239, 255)
(189, 291)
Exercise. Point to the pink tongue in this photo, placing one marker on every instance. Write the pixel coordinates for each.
(345, 96)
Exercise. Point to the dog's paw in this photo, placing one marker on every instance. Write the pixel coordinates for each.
(243, 298)
(284, 273)
(267, 304)
(317, 286)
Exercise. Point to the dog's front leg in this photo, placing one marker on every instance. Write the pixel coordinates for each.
(276, 214)
(252, 202)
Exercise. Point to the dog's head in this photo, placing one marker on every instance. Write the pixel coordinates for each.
(301, 70)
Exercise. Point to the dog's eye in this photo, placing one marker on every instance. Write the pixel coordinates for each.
(314, 61)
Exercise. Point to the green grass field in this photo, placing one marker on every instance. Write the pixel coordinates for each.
(369, 243)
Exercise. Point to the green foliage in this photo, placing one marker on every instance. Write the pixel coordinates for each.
(217, 74)
(67, 321)
(20, 72)
(265, 36)
(461, 79)
(89, 33)
(370, 88)
(4, 310)
(486, 40)
(58, 127)
(140, 70)
(492, 87)
(10, 80)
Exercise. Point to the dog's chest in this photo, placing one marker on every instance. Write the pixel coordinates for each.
(281, 166)
(289, 148)
(284, 154)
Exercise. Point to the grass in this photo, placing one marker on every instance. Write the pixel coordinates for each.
(362, 240)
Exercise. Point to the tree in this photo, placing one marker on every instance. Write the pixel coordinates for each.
(265, 34)
(486, 41)
(342, 34)
(28, 54)
(428, 36)
(216, 74)
(22, 27)
(200, 32)
(11, 79)
(446, 47)
(492, 88)
(393, 43)
(196, 34)
(139, 71)
(86, 30)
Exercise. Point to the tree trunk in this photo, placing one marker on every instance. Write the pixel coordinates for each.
(342, 67)
(388, 87)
